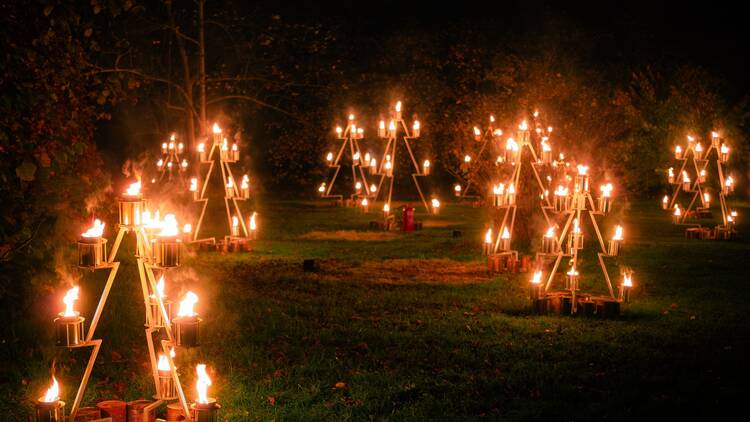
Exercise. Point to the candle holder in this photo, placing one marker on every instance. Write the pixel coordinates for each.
(561, 202)
(206, 412)
(202, 153)
(245, 191)
(571, 280)
(546, 155)
(504, 244)
(426, 168)
(157, 319)
(167, 387)
(187, 330)
(498, 200)
(582, 183)
(579, 201)
(53, 411)
(605, 204)
(92, 251)
(724, 154)
(550, 245)
(536, 291)
(678, 154)
(131, 208)
(687, 185)
(510, 198)
(613, 248)
(234, 154)
(167, 251)
(575, 241)
(69, 330)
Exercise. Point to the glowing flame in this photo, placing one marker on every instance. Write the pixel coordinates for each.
(415, 126)
(714, 134)
(537, 278)
(398, 106)
(477, 132)
(492, 118)
(70, 297)
(187, 228)
(193, 184)
(356, 156)
(511, 189)
(498, 189)
(511, 144)
(677, 211)
(381, 125)
(561, 191)
(606, 190)
(665, 199)
(582, 170)
(724, 149)
(550, 233)
(253, 222)
(160, 163)
(184, 163)
(467, 158)
(706, 197)
(169, 226)
(134, 189)
(234, 147)
(506, 233)
(685, 177)
(163, 365)
(488, 236)
(523, 125)
(216, 129)
(95, 231)
(671, 172)
(618, 233)
(201, 147)
(358, 186)
(230, 182)
(435, 203)
(573, 272)
(322, 188)
(426, 164)
(160, 287)
(386, 208)
(497, 132)
(576, 226)
(729, 182)
(53, 392)
(678, 150)
(202, 384)
(392, 126)
(388, 165)
(373, 163)
(351, 116)
(457, 188)
(690, 139)
(235, 221)
(245, 182)
(373, 188)
(546, 146)
(187, 304)
(365, 202)
(627, 280)
(699, 147)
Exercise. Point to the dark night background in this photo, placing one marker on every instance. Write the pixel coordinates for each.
(87, 85)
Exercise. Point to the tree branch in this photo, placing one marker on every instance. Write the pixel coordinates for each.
(252, 100)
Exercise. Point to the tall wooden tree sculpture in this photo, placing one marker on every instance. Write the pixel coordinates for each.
(222, 153)
(172, 162)
(572, 210)
(158, 249)
(694, 180)
(349, 137)
(519, 152)
(397, 130)
(474, 165)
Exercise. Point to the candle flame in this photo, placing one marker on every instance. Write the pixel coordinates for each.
(163, 364)
(537, 278)
(498, 189)
(561, 191)
(230, 182)
(426, 164)
(677, 211)
(53, 392)
(381, 125)
(392, 126)
(216, 128)
(435, 203)
(457, 188)
(477, 131)
(506, 233)
(724, 149)
(169, 226)
(193, 184)
(416, 125)
(322, 187)
(576, 226)
(678, 149)
(351, 116)
(550, 232)
(160, 287)
(685, 177)
(253, 223)
(523, 125)
(665, 199)
(134, 189)
(202, 383)
(187, 228)
(201, 147)
(488, 236)
(714, 134)
(497, 132)
(96, 230)
(398, 105)
(582, 170)
(70, 297)
(618, 233)
(698, 147)
(606, 190)
(365, 202)
(706, 197)
(511, 144)
(187, 304)
(729, 182)
(373, 188)
(386, 208)
(627, 280)
(245, 182)
(467, 158)
(511, 189)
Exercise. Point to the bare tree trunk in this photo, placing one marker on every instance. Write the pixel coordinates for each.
(189, 103)
(202, 66)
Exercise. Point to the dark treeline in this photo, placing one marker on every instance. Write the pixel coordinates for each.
(86, 85)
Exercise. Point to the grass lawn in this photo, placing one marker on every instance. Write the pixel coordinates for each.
(412, 327)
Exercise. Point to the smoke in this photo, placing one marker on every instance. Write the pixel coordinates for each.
(62, 269)
(133, 168)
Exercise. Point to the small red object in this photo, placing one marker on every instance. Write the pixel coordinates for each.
(408, 215)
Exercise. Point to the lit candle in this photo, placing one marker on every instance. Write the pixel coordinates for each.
(498, 195)
(235, 226)
(670, 175)
(511, 195)
(582, 179)
(355, 158)
(167, 246)
(546, 151)
(678, 152)
(477, 134)
(715, 139)
(487, 250)
(615, 242)
(562, 200)
(203, 154)
(69, 323)
(253, 226)
(397, 108)
(235, 152)
(497, 133)
(187, 231)
(549, 241)
(706, 200)
(365, 204)
(373, 166)
(386, 211)
(686, 184)
(91, 247)
(505, 239)
(388, 168)
(677, 214)
(322, 189)
(183, 165)
(626, 286)
(665, 202)
(205, 409)
(698, 151)
(392, 129)
(605, 200)
(724, 153)
(415, 129)
(572, 280)
(166, 389)
(131, 204)
(358, 188)
(339, 131)
(535, 291)
(216, 129)
(511, 151)
(245, 187)
(373, 188)
(457, 190)
(435, 206)
(467, 158)
(230, 187)
(164, 148)
(576, 237)
(426, 167)
(360, 133)
(728, 185)
(49, 408)
(194, 188)
(381, 129)
(187, 322)
(160, 163)
(367, 158)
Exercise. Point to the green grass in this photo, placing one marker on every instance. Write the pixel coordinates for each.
(416, 329)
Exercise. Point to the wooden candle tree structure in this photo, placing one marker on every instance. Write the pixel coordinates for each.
(392, 132)
(349, 137)
(172, 161)
(573, 209)
(158, 249)
(475, 164)
(694, 179)
(234, 191)
(518, 153)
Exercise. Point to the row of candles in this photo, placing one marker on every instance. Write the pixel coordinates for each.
(551, 244)
(698, 149)
(537, 290)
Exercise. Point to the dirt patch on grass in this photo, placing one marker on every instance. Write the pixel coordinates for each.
(442, 223)
(349, 235)
(408, 271)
